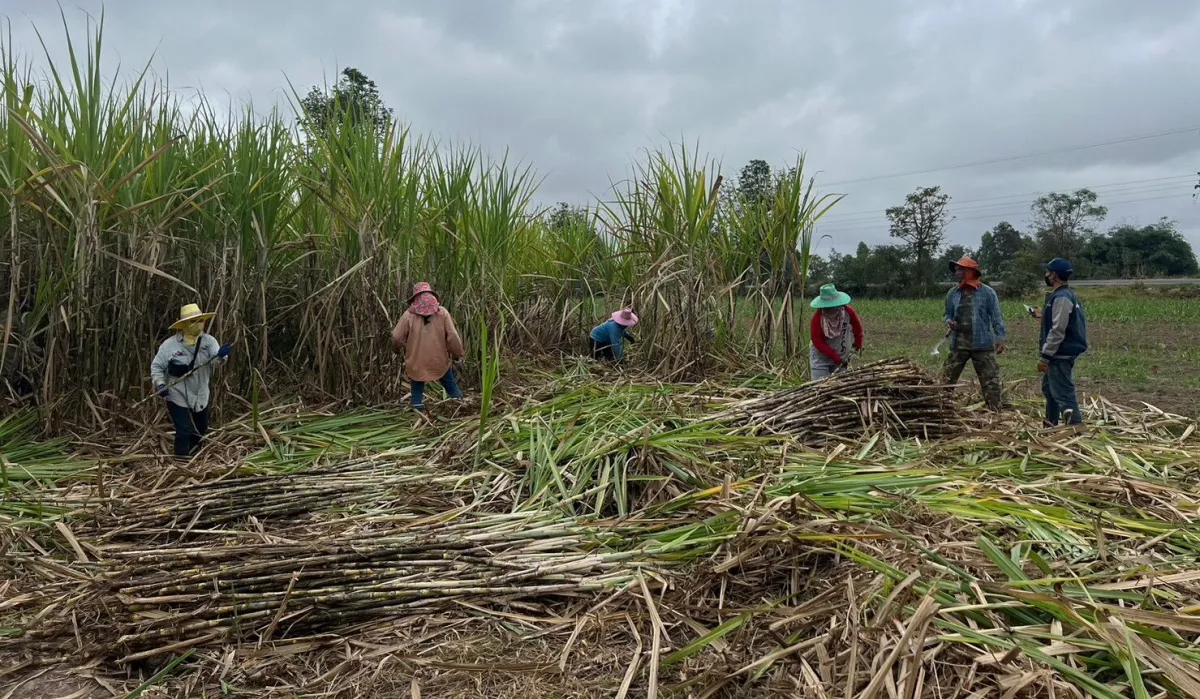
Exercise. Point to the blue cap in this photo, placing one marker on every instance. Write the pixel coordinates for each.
(1060, 267)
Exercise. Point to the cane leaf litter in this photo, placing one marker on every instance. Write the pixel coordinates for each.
(699, 523)
(729, 532)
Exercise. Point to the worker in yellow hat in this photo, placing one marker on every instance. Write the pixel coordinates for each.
(181, 371)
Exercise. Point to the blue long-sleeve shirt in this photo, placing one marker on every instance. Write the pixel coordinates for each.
(612, 334)
(987, 326)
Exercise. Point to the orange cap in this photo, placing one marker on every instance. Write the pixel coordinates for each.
(966, 262)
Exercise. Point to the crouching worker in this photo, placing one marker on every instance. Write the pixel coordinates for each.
(430, 343)
(608, 337)
(181, 371)
(835, 330)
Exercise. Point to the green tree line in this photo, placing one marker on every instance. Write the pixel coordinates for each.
(1062, 224)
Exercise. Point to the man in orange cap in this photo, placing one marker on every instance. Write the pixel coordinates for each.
(976, 329)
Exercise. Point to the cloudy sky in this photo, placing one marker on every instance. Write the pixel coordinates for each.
(882, 95)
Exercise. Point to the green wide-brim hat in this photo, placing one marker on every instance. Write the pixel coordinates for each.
(831, 298)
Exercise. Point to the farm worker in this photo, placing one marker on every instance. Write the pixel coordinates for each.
(976, 329)
(1063, 339)
(181, 370)
(430, 342)
(835, 331)
(608, 337)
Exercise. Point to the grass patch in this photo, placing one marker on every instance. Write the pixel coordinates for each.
(1140, 347)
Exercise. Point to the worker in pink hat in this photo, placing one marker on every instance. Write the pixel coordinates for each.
(430, 343)
(608, 337)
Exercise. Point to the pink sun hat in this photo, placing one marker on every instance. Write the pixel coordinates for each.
(424, 301)
(625, 317)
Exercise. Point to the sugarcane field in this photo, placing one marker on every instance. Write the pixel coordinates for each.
(302, 402)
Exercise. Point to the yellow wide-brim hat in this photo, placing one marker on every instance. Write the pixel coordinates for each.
(190, 313)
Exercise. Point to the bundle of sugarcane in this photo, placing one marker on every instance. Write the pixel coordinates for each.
(361, 486)
(892, 395)
(165, 598)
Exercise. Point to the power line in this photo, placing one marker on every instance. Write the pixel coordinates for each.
(1015, 201)
(858, 227)
(1188, 178)
(1024, 156)
(1004, 205)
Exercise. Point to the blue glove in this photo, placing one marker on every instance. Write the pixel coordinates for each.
(163, 391)
(223, 352)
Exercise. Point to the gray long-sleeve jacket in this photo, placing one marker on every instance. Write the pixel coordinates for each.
(1060, 315)
(192, 392)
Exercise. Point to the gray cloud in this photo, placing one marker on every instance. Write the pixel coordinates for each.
(869, 88)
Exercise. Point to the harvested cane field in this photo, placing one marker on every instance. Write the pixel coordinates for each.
(602, 534)
(698, 522)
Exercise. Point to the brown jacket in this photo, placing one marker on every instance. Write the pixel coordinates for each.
(429, 348)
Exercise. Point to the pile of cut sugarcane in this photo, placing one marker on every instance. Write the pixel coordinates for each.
(978, 562)
(162, 599)
(355, 488)
(894, 396)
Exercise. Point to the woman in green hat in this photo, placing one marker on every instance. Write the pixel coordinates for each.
(836, 332)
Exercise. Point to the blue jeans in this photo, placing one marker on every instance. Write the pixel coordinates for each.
(1058, 386)
(190, 428)
(448, 382)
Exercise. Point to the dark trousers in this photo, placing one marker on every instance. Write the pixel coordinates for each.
(602, 352)
(190, 428)
(1058, 386)
(987, 369)
(448, 382)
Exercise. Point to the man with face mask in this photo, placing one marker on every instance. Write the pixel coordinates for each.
(1064, 339)
(181, 371)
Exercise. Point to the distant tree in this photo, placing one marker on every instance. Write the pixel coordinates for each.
(882, 271)
(1024, 274)
(567, 216)
(576, 244)
(820, 271)
(756, 182)
(1127, 251)
(354, 98)
(999, 247)
(747, 206)
(847, 271)
(1010, 258)
(890, 270)
(921, 223)
(1065, 222)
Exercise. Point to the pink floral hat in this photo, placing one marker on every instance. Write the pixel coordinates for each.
(625, 317)
(423, 302)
